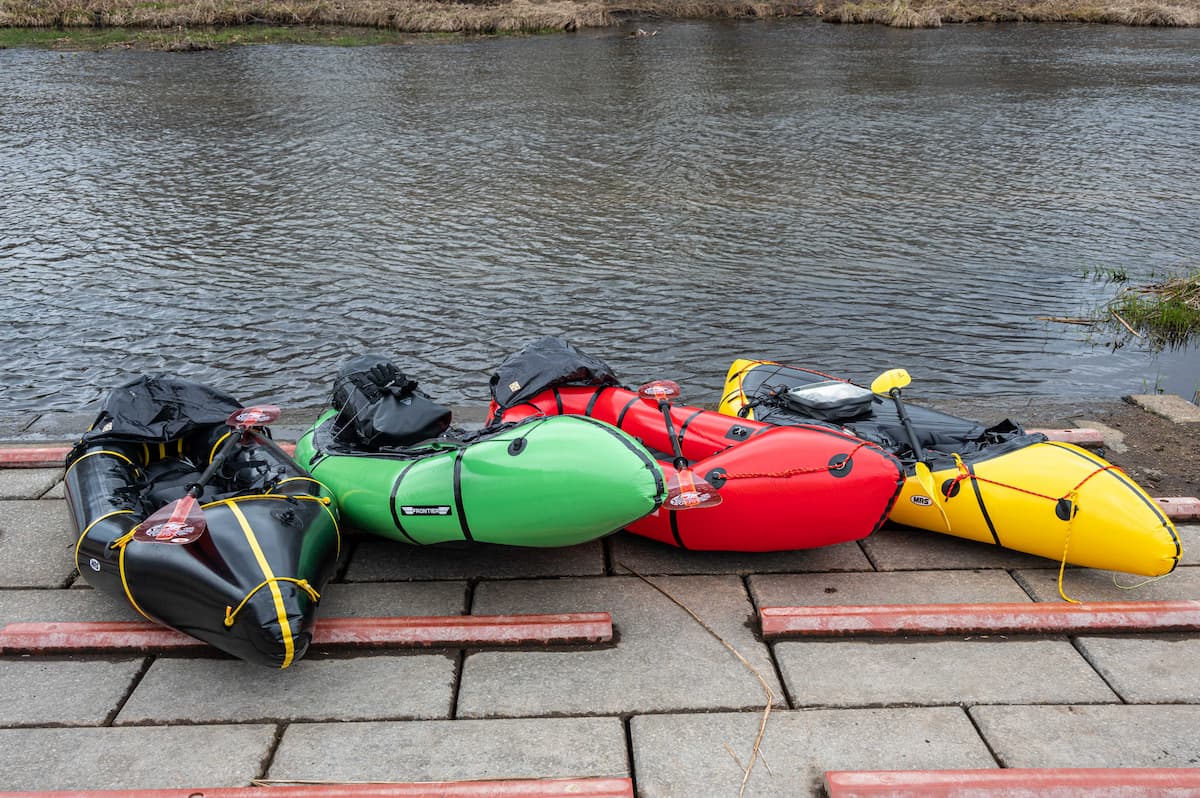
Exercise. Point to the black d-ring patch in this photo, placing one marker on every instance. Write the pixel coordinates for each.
(716, 477)
(516, 446)
(951, 487)
(1064, 509)
(840, 465)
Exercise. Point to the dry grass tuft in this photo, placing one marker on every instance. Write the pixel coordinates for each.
(489, 16)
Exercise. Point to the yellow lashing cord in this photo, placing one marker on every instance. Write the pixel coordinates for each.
(231, 612)
(1072, 499)
(84, 534)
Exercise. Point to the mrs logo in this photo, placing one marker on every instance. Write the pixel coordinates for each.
(921, 501)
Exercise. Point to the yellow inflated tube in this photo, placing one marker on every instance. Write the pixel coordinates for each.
(1053, 500)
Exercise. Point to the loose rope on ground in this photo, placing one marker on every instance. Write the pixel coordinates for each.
(756, 753)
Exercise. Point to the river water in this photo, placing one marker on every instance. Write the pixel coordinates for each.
(848, 198)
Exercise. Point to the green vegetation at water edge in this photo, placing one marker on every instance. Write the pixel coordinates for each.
(1166, 314)
(1162, 315)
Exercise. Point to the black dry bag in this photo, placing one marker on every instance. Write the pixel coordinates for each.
(379, 407)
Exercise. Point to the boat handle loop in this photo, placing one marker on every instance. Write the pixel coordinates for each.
(231, 612)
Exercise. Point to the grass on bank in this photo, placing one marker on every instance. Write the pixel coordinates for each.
(1162, 315)
(187, 24)
(1166, 314)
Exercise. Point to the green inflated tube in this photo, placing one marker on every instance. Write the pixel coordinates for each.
(556, 481)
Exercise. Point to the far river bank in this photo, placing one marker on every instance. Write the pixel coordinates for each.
(203, 24)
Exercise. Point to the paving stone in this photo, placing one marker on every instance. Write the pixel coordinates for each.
(1114, 439)
(12, 425)
(895, 587)
(381, 599)
(385, 560)
(363, 688)
(901, 548)
(60, 426)
(108, 758)
(681, 756)
(1086, 584)
(663, 660)
(1142, 670)
(60, 692)
(293, 421)
(1167, 405)
(453, 750)
(1108, 736)
(35, 544)
(27, 483)
(651, 557)
(58, 491)
(1189, 538)
(76, 604)
(935, 672)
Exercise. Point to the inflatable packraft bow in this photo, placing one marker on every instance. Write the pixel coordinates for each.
(183, 505)
(778, 488)
(399, 471)
(994, 484)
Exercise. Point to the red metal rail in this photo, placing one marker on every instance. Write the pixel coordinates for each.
(514, 788)
(1016, 782)
(961, 619)
(450, 631)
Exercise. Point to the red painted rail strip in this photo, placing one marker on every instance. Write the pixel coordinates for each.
(1016, 783)
(54, 456)
(954, 619)
(514, 788)
(1084, 436)
(458, 631)
(1180, 508)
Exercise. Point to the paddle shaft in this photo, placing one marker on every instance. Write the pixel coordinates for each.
(908, 427)
(196, 489)
(680, 461)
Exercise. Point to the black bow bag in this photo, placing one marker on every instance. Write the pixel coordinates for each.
(379, 407)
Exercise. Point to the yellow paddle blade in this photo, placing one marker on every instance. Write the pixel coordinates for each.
(885, 382)
(925, 480)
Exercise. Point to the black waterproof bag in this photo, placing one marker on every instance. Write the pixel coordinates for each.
(546, 363)
(379, 407)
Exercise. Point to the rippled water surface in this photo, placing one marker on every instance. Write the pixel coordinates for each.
(847, 198)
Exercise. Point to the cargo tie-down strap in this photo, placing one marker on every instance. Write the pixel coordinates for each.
(1071, 498)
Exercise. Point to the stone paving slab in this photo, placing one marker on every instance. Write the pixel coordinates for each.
(28, 483)
(76, 604)
(133, 758)
(937, 672)
(649, 557)
(1109, 736)
(363, 688)
(1086, 584)
(35, 544)
(683, 756)
(453, 750)
(1160, 670)
(377, 560)
(664, 660)
(382, 599)
(62, 692)
(1169, 406)
(60, 425)
(893, 587)
(901, 548)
